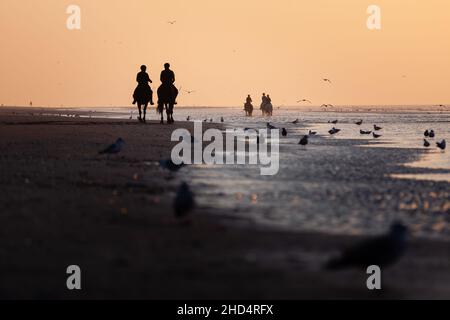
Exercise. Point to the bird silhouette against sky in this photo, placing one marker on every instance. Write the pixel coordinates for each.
(326, 80)
(304, 100)
(172, 22)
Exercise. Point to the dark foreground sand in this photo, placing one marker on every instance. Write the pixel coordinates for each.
(61, 204)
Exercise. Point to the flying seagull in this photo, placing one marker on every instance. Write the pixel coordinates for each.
(184, 201)
(326, 80)
(381, 251)
(114, 148)
(304, 100)
(189, 91)
(172, 22)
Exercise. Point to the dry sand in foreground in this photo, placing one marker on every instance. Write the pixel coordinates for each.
(61, 204)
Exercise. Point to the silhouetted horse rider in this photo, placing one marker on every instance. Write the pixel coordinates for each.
(167, 93)
(143, 94)
(248, 107)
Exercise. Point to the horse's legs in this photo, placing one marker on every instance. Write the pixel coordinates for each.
(161, 111)
(171, 113)
(145, 110)
(169, 119)
(140, 112)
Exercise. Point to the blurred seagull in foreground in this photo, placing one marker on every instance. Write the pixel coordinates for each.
(426, 144)
(114, 148)
(303, 141)
(170, 165)
(441, 145)
(334, 131)
(184, 201)
(381, 251)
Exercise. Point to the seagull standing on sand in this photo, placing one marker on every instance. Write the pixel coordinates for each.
(184, 201)
(358, 123)
(432, 134)
(312, 133)
(303, 141)
(295, 121)
(376, 136)
(377, 128)
(441, 145)
(426, 144)
(365, 132)
(284, 132)
(382, 251)
(334, 131)
(114, 148)
(426, 133)
(269, 126)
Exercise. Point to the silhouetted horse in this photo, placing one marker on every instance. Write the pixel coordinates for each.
(248, 107)
(167, 95)
(142, 96)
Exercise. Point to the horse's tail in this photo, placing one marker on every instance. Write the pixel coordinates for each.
(160, 108)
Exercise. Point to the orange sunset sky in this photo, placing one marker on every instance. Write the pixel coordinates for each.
(225, 50)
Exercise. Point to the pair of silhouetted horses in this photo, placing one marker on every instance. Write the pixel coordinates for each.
(167, 93)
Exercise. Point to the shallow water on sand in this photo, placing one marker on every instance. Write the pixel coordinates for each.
(336, 183)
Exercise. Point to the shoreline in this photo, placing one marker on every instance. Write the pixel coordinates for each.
(63, 204)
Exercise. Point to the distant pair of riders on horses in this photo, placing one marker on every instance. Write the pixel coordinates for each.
(167, 93)
(266, 106)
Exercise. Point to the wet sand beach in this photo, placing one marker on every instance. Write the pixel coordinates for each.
(63, 204)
